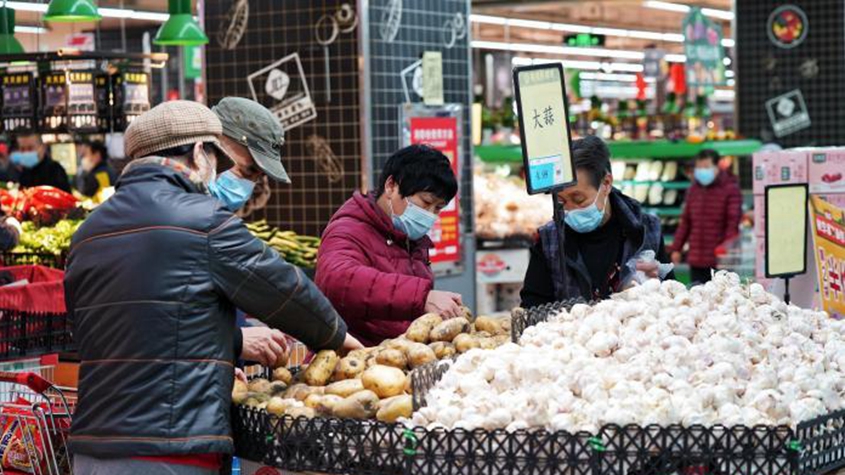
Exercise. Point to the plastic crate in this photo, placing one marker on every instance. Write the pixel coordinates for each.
(32, 334)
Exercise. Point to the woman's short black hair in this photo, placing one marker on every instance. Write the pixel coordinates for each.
(420, 168)
(98, 147)
(591, 155)
(709, 154)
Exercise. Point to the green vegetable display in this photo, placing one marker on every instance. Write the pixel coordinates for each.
(47, 240)
(298, 250)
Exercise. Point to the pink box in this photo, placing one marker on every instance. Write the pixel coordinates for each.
(776, 168)
(836, 199)
(760, 258)
(827, 170)
(760, 216)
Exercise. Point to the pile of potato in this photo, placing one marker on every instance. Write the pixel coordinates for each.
(372, 382)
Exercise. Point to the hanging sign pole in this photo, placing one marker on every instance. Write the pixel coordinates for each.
(546, 140)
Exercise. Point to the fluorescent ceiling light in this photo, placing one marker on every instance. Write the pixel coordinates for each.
(564, 50)
(729, 73)
(105, 12)
(724, 94)
(675, 58)
(610, 77)
(571, 28)
(32, 30)
(676, 7)
(582, 65)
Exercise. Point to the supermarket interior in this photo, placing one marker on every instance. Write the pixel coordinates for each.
(442, 237)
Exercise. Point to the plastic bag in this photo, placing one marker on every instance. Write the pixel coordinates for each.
(20, 438)
(638, 276)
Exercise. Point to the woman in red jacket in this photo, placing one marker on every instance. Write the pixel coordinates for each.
(712, 211)
(373, 263)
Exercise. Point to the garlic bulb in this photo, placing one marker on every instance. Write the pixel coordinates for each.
(720, 353)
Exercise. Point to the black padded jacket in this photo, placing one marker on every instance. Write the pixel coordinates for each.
(152, 282)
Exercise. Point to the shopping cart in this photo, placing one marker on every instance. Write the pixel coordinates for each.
(35, 418)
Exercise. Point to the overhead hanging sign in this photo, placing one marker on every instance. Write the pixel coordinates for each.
(786, 230)
(544, 126)
(703, 49)
(829, 243)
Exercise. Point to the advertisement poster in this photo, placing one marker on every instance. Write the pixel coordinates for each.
(442, 133)
(829, 237)
(703, 49)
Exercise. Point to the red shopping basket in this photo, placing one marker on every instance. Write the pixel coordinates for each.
(33, 317)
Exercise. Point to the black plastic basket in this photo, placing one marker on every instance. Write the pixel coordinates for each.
(25, 334)
(522, 318)
(56, 261)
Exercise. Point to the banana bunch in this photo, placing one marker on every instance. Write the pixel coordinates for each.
(298, 250)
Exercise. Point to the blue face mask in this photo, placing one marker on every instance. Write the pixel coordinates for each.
(415, 221)
(231, 189)
(24, 159)
(587, 219)
(705, 176)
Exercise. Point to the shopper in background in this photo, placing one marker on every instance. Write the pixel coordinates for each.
(605, 231)
(97, 174)
(373, 262)
(36, 167)
(711, 216)
(153, 278)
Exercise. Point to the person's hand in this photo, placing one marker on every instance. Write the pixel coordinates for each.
(676, 257)
(240, 375)
(350, 343)
(446, 304)
(264, 345)
(650, 268)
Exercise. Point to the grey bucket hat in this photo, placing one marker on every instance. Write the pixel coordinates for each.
(254, 126)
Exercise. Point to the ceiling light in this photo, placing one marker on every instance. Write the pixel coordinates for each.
(27, 6)
(565, 50)
(724, 94)
(105, 12)
(8, 43)
(571, 28)
(181, 29)
(581, 65)
(675, 7)
(32, 30)
(729, 73)
(72, 11)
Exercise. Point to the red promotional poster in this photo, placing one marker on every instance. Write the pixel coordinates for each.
(442, 134)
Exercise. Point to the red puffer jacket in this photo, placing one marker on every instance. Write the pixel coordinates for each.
(374, 276)
(711, 216)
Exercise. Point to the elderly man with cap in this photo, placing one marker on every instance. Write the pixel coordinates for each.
(153, 279)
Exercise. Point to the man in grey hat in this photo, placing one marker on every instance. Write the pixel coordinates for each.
(153, 279)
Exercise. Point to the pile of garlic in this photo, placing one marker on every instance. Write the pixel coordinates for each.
(721, 353)
(504, 209)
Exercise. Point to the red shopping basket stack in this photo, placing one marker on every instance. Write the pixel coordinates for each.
(33, 317)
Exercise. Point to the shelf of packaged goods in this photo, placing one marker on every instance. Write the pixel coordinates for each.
(631, 150)
(670, 211)
(667, 185)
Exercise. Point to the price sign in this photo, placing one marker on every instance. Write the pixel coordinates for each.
(786, 230)
(544, 126)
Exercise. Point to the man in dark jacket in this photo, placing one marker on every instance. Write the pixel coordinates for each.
(605, 230)
(153, 279)
(711, 216)
(96, 174)
(36, 166)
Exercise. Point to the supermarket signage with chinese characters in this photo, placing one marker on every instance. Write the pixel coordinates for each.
(442, 133)
(829, 237)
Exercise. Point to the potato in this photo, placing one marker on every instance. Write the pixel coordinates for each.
(465, 342)
(493, 326)
(370, 361)
(420, 329)
(277, 388)
(298, 391)
(361, 405)
(283, 375)
(400, 406)
(487, 343)
(282, 361)
(502, 339)
(449, 329)
(345, 388)
(385, 381)
(467, 313)
(420, 354)
(277, 406)
(256, 399)
(327, 404)
(321, 368)
(359, 354)
(478, 335)
(348, 368)
(239, 392)
(400, 344)
(306, 412)
(392, 357)
(409, 385)
(443, 349)
(313, 400)
(259, 385)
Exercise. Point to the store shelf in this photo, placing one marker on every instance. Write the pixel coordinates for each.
(671, 211)
(654, 149)
(667, 185)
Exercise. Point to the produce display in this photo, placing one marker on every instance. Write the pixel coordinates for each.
(298, 250)
(53, 240)
(503, 208)
(44, 205)
(372, 382)
(720, 353)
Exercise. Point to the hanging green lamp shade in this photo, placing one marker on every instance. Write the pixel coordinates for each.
(71, 11)
(180, 29)
(8, 43)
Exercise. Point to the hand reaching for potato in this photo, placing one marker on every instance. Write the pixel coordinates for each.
(264, 345)
(445, 304)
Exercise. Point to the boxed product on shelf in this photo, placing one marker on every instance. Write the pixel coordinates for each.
(775, 168)
(827, 170)
(760, 215)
